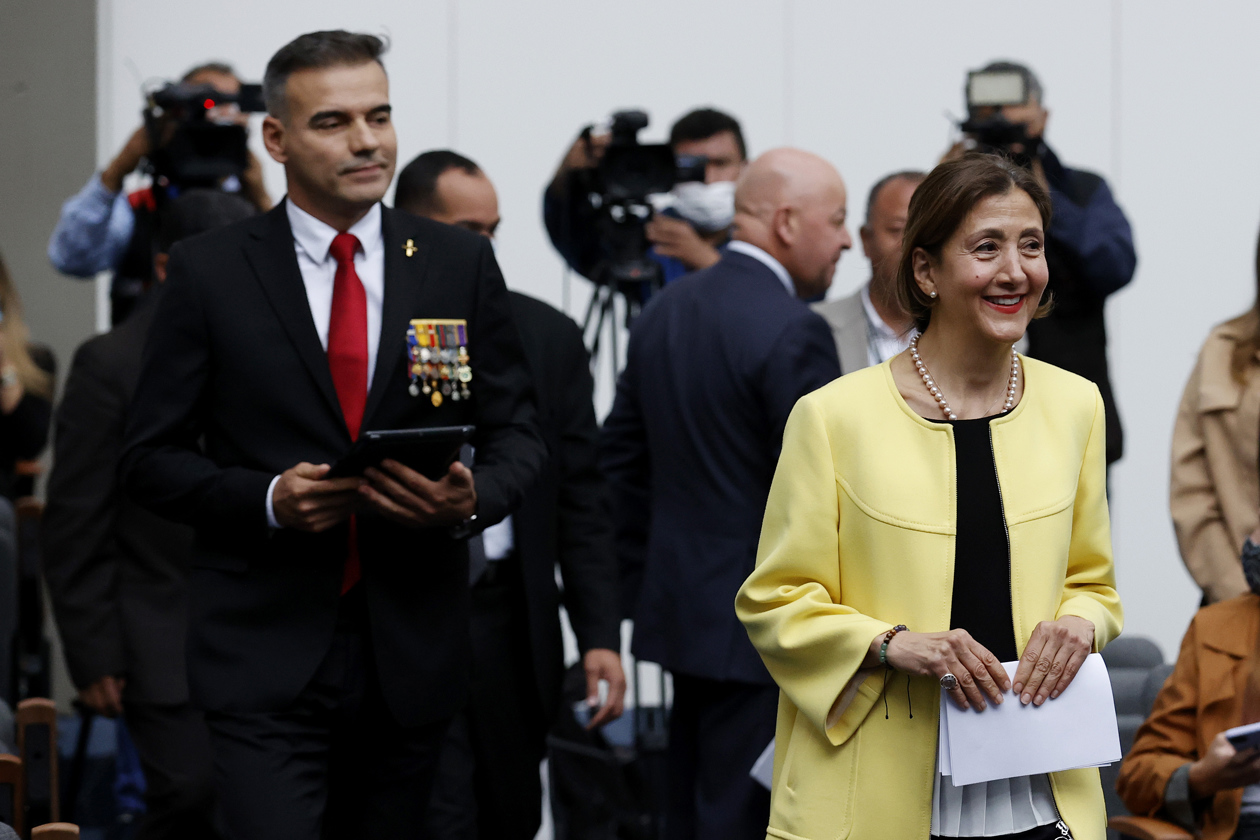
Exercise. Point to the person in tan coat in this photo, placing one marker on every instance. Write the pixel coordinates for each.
(1181, 767)
(1215, 488)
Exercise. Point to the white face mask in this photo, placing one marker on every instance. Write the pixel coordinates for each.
(710, 207)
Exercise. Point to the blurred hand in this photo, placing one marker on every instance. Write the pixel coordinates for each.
(252, 184)
(104, 696)
(604, 664)
(979, 673)
(1053, 656)
(678, 239)
(1223, 768)
(126, 161)
(403, 495)
(303, 499)
(586, 152)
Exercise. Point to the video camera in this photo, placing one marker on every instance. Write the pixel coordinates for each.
(628, 174)
(988, 92)
(190, 146)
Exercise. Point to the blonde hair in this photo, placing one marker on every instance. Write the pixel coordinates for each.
(14, 337)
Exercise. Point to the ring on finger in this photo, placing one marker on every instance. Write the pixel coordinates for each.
(949, 682)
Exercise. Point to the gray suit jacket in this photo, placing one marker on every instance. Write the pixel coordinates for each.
(849, 329)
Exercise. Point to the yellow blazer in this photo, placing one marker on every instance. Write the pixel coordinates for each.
(859, 536)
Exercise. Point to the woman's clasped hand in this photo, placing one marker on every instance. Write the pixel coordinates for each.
(1050, 662)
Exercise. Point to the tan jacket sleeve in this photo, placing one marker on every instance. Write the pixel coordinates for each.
(812, 644)
(1090, 588)
(1167, 739)
(1206, 546)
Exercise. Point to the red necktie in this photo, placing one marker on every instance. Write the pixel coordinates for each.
(348, 361)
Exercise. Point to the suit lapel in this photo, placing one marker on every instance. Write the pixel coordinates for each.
(404, 271)
(270, 253)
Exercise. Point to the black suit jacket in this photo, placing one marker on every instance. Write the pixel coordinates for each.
(563, 520)
(116, 573)
(235, 388)
(715, 364)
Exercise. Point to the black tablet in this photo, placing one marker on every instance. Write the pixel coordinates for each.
(429, 452)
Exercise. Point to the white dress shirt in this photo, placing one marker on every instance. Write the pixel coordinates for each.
(312, 242)
(748, 249)
(882, 341)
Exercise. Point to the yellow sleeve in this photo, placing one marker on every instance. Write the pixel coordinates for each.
(812, 644)
(1090, 588)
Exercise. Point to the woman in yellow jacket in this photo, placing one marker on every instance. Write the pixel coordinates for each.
(959, 491)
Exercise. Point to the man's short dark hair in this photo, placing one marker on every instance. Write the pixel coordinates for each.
(197, 211)
(703, 123)
(914, 175)
(220, 67)
(317, 50)
(417, 184)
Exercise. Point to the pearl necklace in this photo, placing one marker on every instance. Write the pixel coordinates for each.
(1012, 384)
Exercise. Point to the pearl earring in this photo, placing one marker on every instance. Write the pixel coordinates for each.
(932, 295)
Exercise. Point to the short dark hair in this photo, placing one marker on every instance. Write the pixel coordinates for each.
(210, 67)
(914, 175)
(941, 204)
(316, 50)
(703, 123)
(417, 183)
(197, 211)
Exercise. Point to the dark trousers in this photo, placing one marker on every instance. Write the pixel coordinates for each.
(489, 786)
(717, 731)
(333, 766)
(174, 748)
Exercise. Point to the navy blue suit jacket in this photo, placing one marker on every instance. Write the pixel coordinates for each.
(715, 363)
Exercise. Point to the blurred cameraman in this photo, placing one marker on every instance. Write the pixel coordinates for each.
(1089, 246)
(684, 238)
(101, 228)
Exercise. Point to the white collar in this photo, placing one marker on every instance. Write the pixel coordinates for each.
(748, 249)
(872, 316)
(316, 237)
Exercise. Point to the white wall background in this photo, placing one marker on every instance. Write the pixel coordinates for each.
(1158, 96)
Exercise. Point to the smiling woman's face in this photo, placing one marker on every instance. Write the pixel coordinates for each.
(991, 273)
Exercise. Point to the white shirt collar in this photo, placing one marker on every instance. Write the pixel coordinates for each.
(872, 315)
(315, 237)
(748, 249)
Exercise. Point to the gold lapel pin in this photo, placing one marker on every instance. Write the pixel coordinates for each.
(410, 247)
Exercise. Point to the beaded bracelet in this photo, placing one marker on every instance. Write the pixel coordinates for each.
(883, 649)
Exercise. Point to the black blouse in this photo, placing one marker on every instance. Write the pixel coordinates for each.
(982, 549)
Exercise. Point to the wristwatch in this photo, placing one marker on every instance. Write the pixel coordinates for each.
(464, 529)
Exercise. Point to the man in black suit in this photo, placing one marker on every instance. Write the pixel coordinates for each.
(117, 574)
(714, 366)
(489, 786)
(328, 632)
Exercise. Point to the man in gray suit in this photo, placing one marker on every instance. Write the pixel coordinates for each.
(869, 326)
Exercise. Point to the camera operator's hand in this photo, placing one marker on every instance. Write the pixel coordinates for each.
(678, 239)
(585, 153)
(252, 184)
(126, 161)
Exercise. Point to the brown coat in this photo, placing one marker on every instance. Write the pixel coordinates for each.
(1215, 489)
(1202, 698)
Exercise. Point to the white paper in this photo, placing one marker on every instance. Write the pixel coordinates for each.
(1076, 729)
(763, 768)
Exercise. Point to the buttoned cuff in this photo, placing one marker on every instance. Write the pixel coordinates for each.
(271, 510)
(1178, 804)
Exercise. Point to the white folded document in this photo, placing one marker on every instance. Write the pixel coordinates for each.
(763, 769)
(1076, 729)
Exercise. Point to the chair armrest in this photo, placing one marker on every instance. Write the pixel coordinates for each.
(1148, 828)
(55, 831)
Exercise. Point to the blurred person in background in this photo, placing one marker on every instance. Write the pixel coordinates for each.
(104, 229)
(1215, 484)
(714, 365)
(1089, 245)
(117, 574)
(27, 372)
(869, 326)
(684, 238)
(488, 784)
